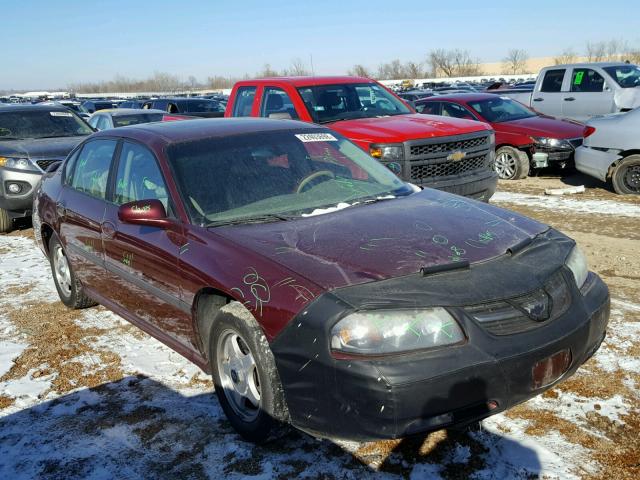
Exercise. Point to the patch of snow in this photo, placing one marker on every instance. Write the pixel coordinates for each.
(581, 205)
(9, 351)
(322, 211)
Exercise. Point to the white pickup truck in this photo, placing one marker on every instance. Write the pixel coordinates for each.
(582, 90)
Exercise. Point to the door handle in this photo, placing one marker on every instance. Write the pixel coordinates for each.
(61, 210)
(108, 229)
(569, 99)
(539, 99)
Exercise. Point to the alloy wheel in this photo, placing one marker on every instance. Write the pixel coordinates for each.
(238, 375)
(62, 271)
(505, 165)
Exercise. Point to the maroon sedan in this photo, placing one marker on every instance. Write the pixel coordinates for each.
(525, 139)
(317, 287)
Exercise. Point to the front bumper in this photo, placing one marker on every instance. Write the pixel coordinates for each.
(594, 162)
(392, 397)
(18, 205)
(479, 185)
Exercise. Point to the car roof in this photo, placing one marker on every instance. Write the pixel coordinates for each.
(591, 64)
(463, 97)
(201, 128)
(307, 81)
(46, 108)
(114, 112)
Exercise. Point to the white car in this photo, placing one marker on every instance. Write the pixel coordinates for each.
(611, 150)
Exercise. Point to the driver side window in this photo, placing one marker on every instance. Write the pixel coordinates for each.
(139, 177)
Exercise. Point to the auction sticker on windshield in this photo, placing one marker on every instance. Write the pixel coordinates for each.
(60, 114)
(316, 137)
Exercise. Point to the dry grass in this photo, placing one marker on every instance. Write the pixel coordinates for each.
(6, 401)
(55, 342)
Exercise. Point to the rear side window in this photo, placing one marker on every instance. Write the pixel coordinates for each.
(276, 101)
(586, 80)
(553, 80)
(244, 101)
(92, 170)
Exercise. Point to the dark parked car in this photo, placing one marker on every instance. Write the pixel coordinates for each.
(92, 106)
(413, 95)
(132, 104)
(32, 137)
(199, 107)
(317, 287)
(124, 117)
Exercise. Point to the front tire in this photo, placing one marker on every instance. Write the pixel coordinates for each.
(245, 375)
(626, 176)
(70, 290)
(6, 222)
(511, 163)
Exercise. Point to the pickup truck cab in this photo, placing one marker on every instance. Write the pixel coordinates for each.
(582, 90)
(453, 155)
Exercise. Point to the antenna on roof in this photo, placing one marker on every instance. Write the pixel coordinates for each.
(313, 74)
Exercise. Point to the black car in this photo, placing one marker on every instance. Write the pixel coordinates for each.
(132, 104)
(413, 95)
(91, 106)
(32, 138)
(199, 107)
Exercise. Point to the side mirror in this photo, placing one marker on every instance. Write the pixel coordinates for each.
(144, 212)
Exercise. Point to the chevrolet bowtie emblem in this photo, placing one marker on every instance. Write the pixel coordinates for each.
(456, 156)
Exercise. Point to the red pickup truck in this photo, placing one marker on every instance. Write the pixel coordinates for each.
(448, 154)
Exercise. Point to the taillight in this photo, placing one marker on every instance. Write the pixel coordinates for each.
(588, 131)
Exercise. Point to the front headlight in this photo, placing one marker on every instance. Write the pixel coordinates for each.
(394, 331)
(577, 263)
(387, 152)
(18, 163)
(550, 142)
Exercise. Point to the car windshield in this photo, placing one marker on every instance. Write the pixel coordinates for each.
(331, 103)
(627, 76)
(203, 105)
(250, 176)
(501, 109)
(41, 124)
(124, 120)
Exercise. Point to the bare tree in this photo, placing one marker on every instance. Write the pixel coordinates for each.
(596, 51)
(392, 71)
(298, 68)
(453, 63)
(413, 70)
(267, 71)
(515, 62)
(442, 61)
(567, 56)
(360, 71)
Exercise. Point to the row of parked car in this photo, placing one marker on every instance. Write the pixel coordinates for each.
(462, 144)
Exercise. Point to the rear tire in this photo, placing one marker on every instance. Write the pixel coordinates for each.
(511, 163)
(70, 290)
(626, 176)
(6, 222)
(245, 375)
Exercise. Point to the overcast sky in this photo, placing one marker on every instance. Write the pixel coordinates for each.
(52, 43)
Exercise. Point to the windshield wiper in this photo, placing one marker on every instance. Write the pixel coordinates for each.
(270, 217)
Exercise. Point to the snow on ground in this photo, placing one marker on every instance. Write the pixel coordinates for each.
(571, 203)
(156, 416)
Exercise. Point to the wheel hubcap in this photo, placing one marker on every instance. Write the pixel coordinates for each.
(61, 270)
(238, 375)
(632, 178)
(505, 165)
